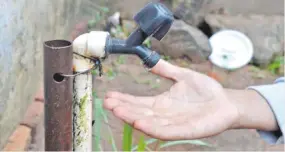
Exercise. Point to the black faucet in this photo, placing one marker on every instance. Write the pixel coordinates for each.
(153, 20)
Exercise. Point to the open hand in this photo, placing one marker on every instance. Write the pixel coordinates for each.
(196, 106)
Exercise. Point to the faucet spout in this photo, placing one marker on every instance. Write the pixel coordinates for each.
(117, 46)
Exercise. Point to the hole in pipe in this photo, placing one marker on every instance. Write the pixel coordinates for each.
(58, 77)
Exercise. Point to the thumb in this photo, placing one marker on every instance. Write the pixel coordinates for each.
(170, 71)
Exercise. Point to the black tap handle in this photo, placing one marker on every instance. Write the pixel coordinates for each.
(153, 20)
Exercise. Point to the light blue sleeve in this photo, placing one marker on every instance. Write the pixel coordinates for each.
(275, 96)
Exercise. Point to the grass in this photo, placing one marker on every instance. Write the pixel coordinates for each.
(98, 123)
(147, 43)
(127, 138)
(111, 74)
(166, 57)
(121, 59)
(277, 63)
(142, 144)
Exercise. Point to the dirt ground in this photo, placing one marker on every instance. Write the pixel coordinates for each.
(126, 74)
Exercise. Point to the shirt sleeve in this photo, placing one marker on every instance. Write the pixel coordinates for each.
(275, 96)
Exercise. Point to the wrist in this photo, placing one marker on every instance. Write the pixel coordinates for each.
(253, 110)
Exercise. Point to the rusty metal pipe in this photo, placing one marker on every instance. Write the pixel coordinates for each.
(58, 95)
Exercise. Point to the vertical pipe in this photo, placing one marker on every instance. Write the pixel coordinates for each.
(82, 106)
(58, 95)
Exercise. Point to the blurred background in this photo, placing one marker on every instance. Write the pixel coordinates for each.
(26, 24)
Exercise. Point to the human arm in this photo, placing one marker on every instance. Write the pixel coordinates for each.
(196, 106)
(274, 94)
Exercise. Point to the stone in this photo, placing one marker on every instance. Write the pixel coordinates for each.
(183, 40)
(265, 32)
(236, 7)
(191, 11)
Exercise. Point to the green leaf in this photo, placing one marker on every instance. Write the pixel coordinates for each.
(147, 42)
(100, 110)
(179, 142)
(276, 64)
(142, 144)
(105, 9)
(155, 86)
(111, 74)
(127, 137)
(98, 16)
(91, 23)
(97, 124)
(113, 143)
(121, 59)
(94, 72)
(147, 142)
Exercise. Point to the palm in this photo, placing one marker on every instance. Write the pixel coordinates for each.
(186, 111)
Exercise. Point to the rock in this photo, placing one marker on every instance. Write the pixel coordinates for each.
(281, 70)
(235, 7)
(184, 40)
(192, 12)
(265, 32)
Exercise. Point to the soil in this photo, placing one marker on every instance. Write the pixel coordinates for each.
(126, 74)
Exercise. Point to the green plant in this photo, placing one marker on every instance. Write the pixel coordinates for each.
(97, 126)
(166, 57)
(147, 43)
(111, 74)
(155, 86)
(180, 142)
(100, 115)
(121, 59)
(276, 64)
(127, 138)
(99, 15)
(141, 144)
(146, 142)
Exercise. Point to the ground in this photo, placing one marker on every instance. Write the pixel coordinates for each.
(126, 74)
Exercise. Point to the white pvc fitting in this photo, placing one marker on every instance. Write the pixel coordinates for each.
(91, 44)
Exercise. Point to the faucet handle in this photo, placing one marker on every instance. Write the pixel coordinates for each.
(154, 19)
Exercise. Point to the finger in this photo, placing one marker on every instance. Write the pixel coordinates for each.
(112, 103)
(131, 114)
(168, 70)
(136, 100)
(160, 128)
